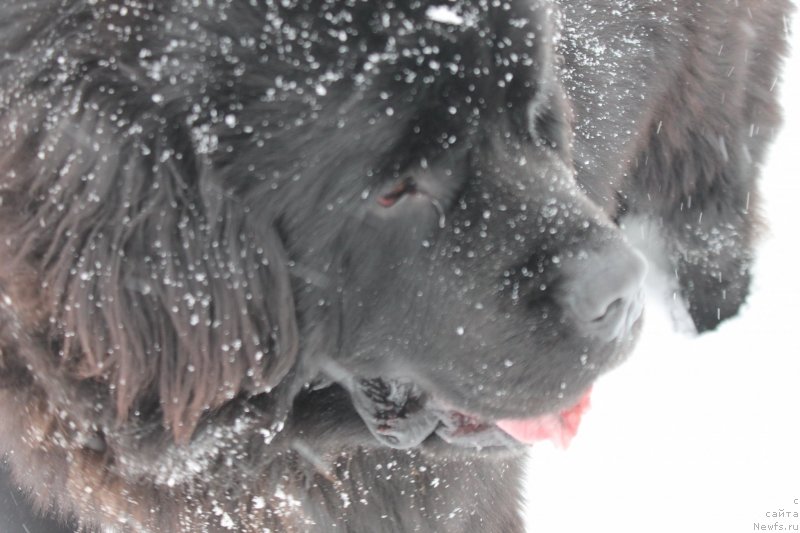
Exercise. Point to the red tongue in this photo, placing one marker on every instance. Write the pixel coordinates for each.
(559, 428)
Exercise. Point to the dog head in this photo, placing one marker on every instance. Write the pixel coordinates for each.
(450, 273)
(378, 198)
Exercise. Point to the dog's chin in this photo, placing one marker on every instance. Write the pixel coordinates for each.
(400, 415)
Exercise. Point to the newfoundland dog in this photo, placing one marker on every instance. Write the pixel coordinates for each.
(331, 265)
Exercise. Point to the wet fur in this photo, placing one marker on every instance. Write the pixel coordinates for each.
(133, 250)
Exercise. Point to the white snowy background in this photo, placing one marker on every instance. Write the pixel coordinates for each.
(697, 434)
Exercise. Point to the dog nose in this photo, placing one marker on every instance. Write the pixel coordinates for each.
(603, 290)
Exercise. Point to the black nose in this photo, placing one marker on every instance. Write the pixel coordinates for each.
(603, 290)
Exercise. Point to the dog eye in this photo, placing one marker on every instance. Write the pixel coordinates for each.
(405, 187)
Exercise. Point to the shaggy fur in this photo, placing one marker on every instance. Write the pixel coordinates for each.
(227, 227)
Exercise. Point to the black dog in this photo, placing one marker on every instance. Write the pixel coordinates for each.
(330, 265)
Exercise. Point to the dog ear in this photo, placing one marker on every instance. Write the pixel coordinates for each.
(525, 62)
(153, 282)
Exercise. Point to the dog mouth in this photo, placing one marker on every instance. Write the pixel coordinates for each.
(400, 415)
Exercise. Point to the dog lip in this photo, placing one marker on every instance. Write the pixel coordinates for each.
(401, 415)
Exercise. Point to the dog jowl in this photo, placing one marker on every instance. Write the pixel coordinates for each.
(333, 265)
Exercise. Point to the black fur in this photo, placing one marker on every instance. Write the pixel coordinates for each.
(231, 229)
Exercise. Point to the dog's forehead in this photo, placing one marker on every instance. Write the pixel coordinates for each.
(396, 31)
(435, 70)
